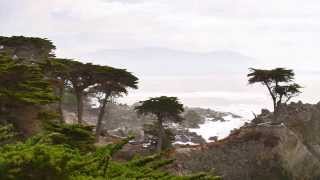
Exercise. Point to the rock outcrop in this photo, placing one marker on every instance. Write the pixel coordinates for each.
(285, 148)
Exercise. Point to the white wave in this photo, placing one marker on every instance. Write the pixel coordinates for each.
(220, 129)
(184, 143)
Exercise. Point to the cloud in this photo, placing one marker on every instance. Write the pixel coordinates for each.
(273, 32)
(278, 33)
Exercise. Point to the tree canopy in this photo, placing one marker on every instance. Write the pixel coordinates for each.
(59, 150)
(21, 83)
(28, 48)
(165, 109)
(111, 82)
(57, 72)
(279, 82)
(81, 77)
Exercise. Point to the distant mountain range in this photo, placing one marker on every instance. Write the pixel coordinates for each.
(163, 61)
(199, 79)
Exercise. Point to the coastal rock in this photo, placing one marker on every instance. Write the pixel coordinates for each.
(285, 148)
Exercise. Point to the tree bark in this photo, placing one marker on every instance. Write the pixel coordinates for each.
(274, 100)
(100, 117)
(61, 92)
(161, 135)
(79, 107)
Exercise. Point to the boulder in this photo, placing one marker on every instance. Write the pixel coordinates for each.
(288, 149)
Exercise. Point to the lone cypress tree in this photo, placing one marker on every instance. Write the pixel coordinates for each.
(57, 70)
(111, 82)
(279, 82)
(165, 109)
(81, 78)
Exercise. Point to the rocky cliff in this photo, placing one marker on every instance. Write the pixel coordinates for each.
(285, 148)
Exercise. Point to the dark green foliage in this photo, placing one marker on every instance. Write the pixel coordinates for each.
(268, 76)
(22, 84)
(23, 91)
(113, 81)
(57, 72)
(165, 109)
(38, 159)
(80, 77)
(279, 82)
(74, 76)
(141, 161)
(28, 48)
(63, 151)
(7, 134)
(56, 68)
(76, 136)
(110, 83)
(47, 116)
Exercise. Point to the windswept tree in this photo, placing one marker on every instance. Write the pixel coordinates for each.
(110, 83)
(23, 92)
(165, 109)
(22, 84)
(27, 48)
(57, 70)
(279, 82)
(81, 79)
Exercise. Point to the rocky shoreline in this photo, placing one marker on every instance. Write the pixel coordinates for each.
(286, 149)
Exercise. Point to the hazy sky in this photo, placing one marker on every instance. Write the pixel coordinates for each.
(265, 33)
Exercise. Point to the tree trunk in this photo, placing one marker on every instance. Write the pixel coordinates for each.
(161, 135)
(100, 117)
(277, 109)
(274, 105)
(277, 104)
(274, 99)
(79, 107)
(61, 92)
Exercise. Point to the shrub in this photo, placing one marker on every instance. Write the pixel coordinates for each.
(46, 157)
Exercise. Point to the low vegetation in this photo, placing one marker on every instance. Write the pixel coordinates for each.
(31, 76)
(67, 152)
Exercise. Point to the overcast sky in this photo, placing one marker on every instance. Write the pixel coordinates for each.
(269, 32)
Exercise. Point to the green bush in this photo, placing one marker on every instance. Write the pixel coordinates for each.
(43, 157)
(74, 135)
(7, 134)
